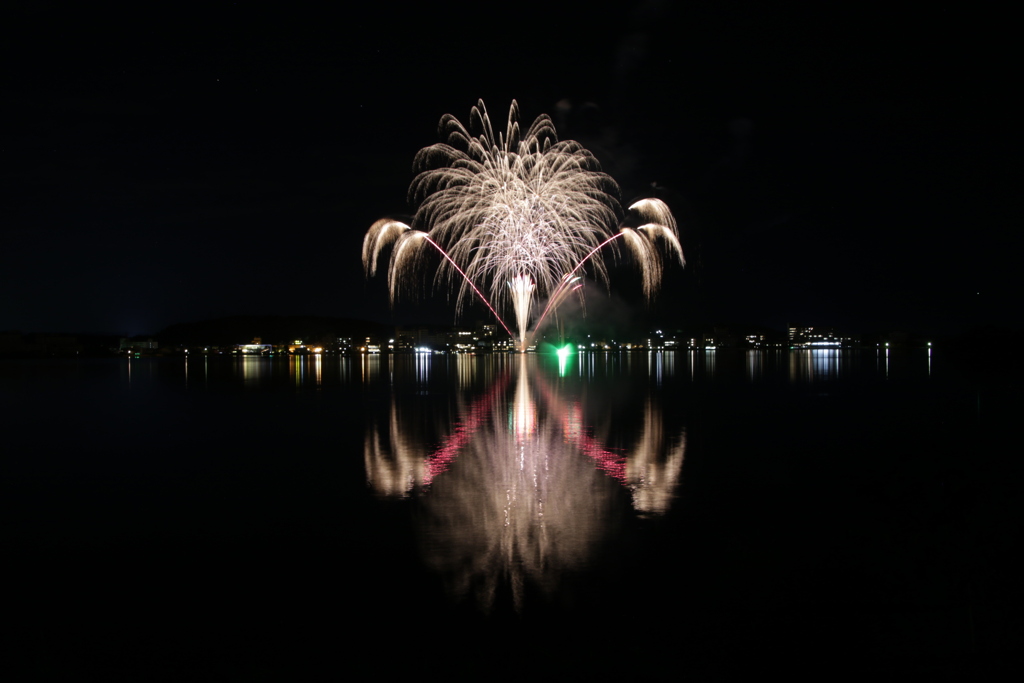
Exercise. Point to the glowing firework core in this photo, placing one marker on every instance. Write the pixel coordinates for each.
(522, 298)
(515, 216)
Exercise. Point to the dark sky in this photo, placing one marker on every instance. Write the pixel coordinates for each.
(827, 165)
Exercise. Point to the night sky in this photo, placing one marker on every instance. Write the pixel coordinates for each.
(834, 166)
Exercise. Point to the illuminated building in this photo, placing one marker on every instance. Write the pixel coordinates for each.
(818, 337)
(255, 348)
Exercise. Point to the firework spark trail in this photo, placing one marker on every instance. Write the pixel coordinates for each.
(475, 289)
(513, 208)
(660, 223)
(513, 214)
(385, 231)
(556, 296)
(569, 285)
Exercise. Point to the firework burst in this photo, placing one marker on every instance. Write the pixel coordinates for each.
(515, 216)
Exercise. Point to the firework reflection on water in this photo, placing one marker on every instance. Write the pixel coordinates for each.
(519, 489)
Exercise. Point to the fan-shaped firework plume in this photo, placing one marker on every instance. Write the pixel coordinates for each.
(515, 216)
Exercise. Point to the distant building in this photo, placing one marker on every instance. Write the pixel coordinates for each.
(486, 336)
(419, 340)
(299, 348)
(818, 337)
(254, 349)
(371, 345)
(656, 340)
(461, 341)
(126, 344)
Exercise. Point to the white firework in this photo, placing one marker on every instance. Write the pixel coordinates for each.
(514, 215)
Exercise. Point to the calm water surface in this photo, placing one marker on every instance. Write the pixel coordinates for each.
(622, 513)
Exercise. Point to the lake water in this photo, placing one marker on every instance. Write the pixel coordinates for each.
(498, 516)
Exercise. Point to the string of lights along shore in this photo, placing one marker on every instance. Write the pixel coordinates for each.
(516, 217)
